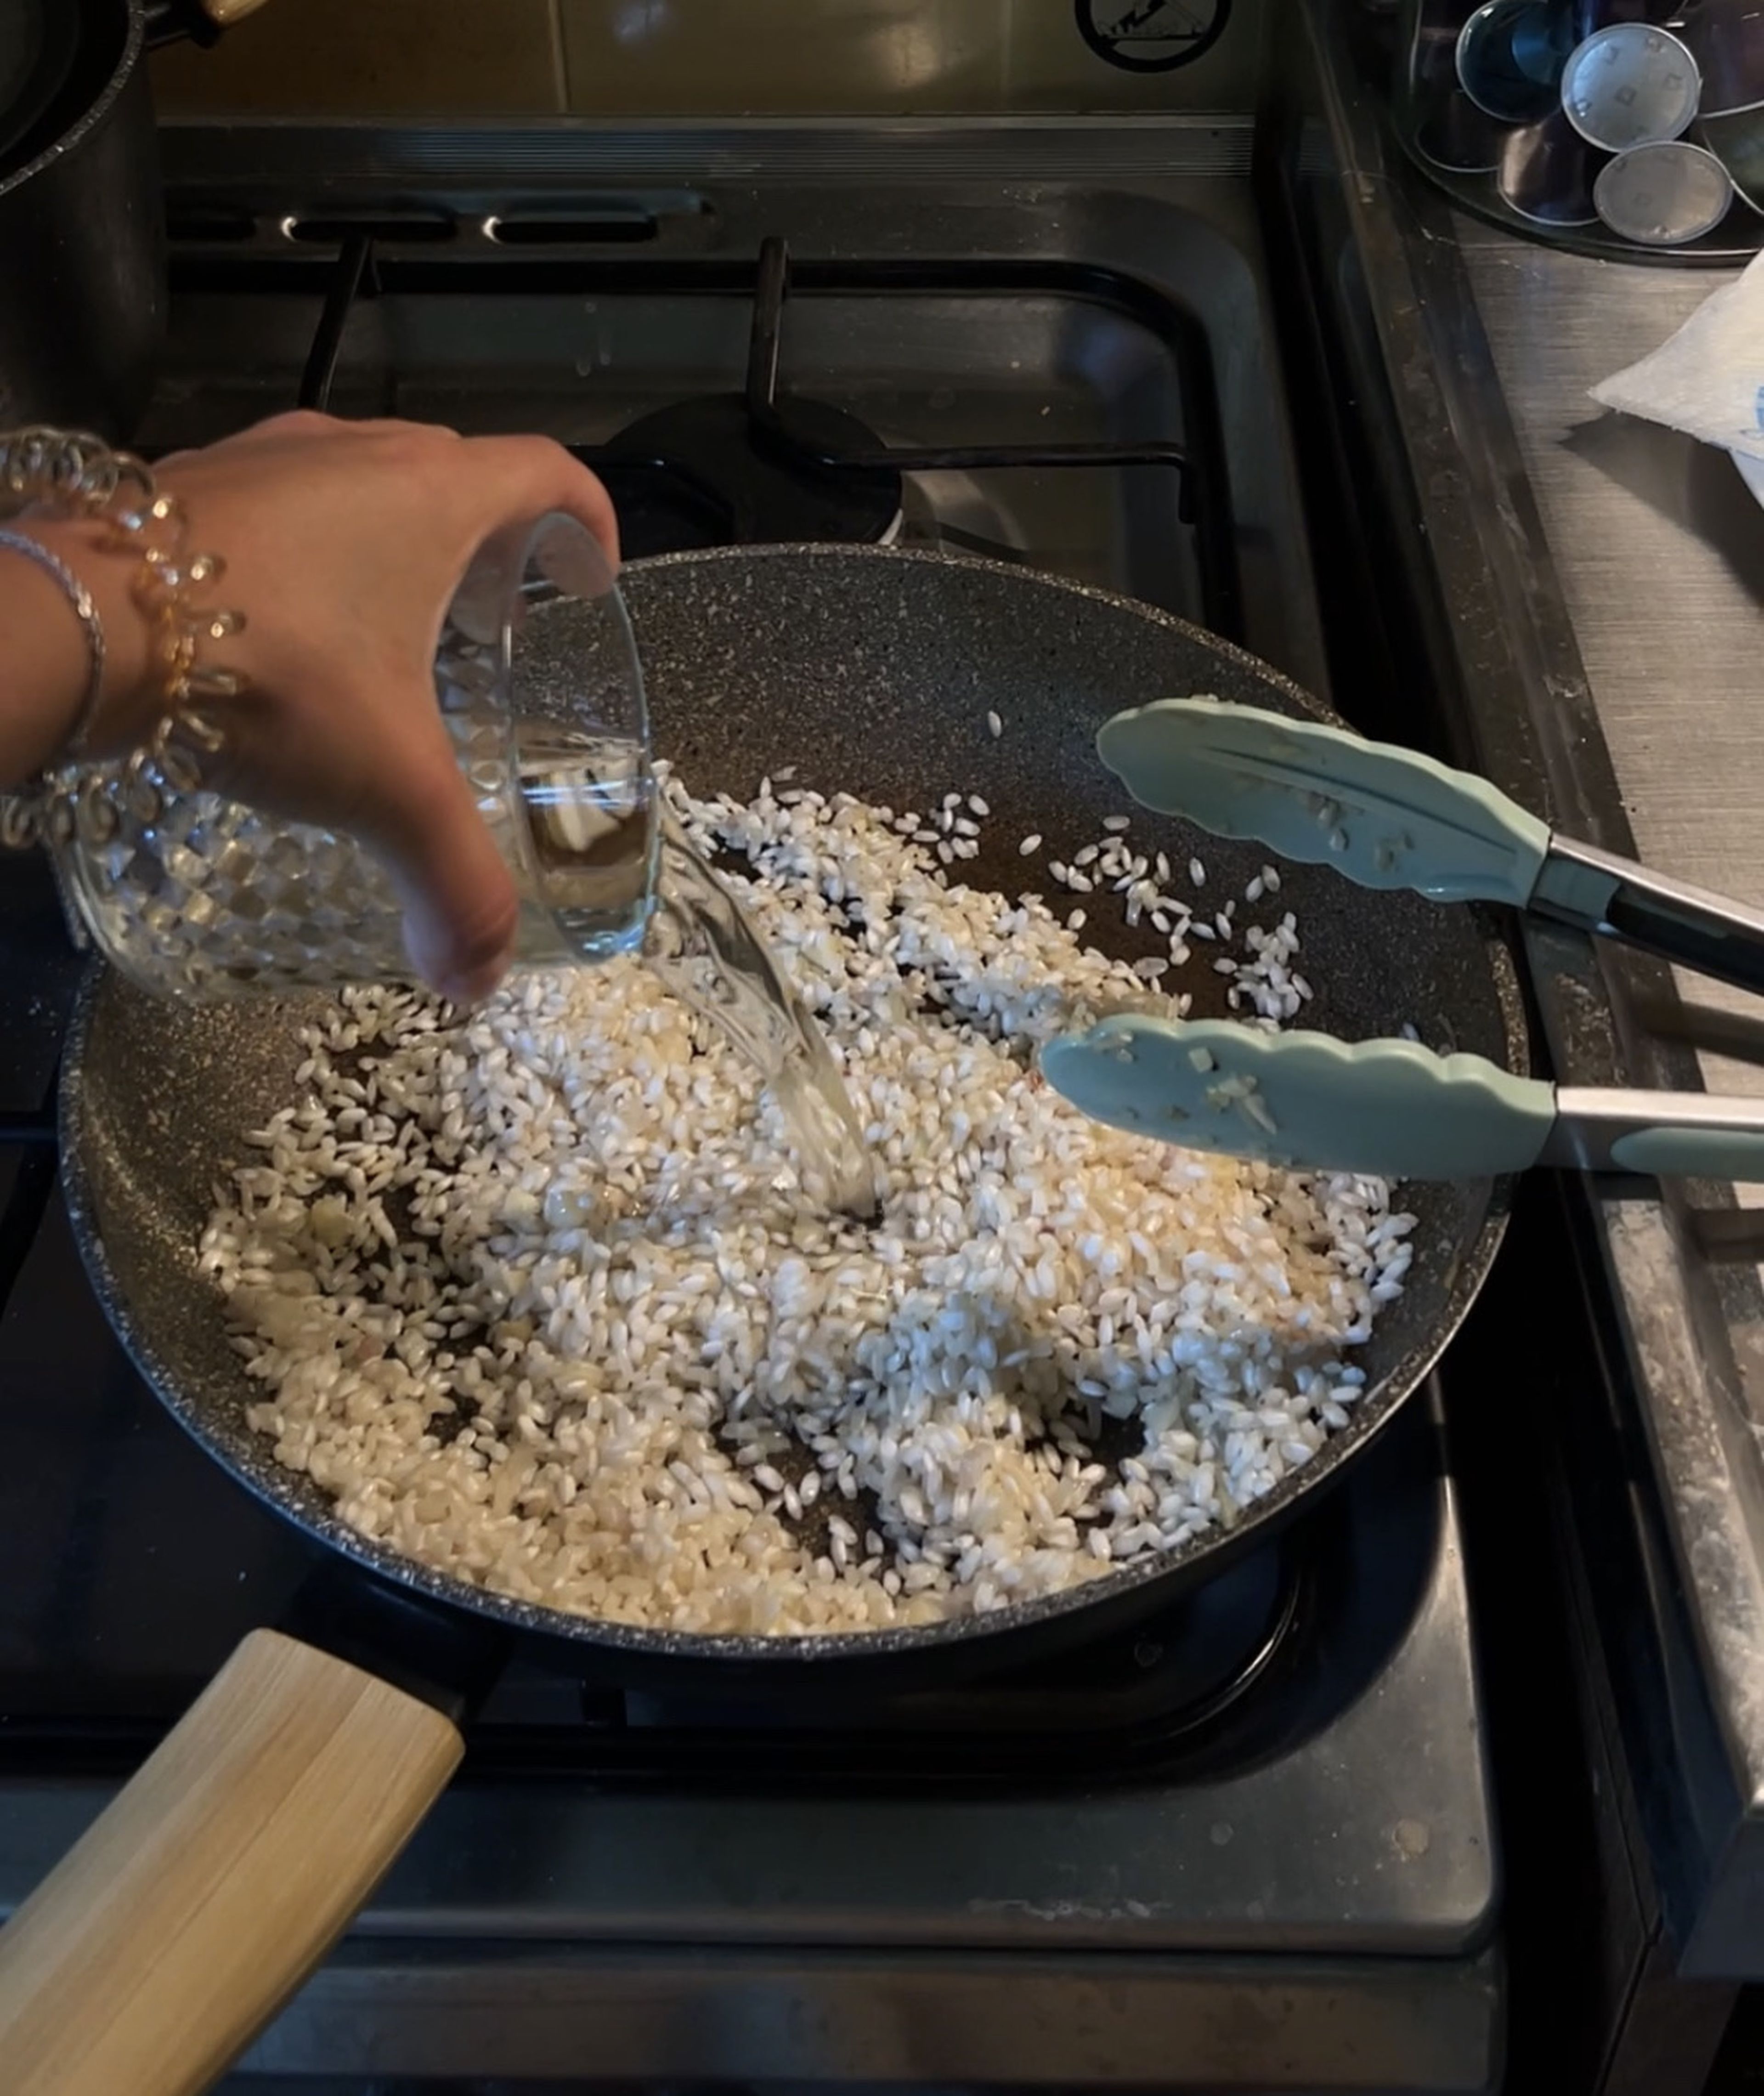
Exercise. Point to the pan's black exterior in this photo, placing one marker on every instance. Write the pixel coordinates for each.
(82, 245)
(876, 671)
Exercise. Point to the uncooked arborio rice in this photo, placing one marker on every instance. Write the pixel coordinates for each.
(537, 1299)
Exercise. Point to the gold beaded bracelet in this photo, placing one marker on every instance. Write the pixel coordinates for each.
(71, 475)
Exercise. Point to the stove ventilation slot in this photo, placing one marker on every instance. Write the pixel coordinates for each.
(389, 228)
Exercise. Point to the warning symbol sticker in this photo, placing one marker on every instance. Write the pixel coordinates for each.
(1152, 35)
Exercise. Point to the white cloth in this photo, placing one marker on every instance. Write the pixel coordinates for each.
(1708, 379)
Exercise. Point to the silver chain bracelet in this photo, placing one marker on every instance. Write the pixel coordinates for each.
(79, 598)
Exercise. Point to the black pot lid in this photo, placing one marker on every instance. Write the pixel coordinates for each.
(38, 39)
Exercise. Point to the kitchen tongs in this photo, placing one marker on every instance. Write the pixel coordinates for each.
(1387, 819)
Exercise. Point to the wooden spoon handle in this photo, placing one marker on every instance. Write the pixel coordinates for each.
(176, 1928)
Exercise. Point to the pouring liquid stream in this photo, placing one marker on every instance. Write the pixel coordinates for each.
(591, 820)
(704, 949)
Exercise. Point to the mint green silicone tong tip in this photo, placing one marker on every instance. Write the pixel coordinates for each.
(1388, 819)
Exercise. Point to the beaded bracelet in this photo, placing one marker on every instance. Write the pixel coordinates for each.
(67, 474)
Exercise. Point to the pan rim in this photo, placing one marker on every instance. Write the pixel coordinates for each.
(748, 1651)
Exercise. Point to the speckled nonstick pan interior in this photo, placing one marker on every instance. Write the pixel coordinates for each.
(873, 672)
(205, 1892)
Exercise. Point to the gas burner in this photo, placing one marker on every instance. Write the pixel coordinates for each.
(704, 473)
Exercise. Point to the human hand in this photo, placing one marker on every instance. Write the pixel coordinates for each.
(344, 542)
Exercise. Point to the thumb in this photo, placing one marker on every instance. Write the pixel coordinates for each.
(460, 901)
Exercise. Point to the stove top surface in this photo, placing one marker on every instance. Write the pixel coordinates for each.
(1030, 380)
(1291, 1762)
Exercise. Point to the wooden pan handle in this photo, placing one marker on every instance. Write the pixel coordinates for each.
(225, 13)
(179, 1924)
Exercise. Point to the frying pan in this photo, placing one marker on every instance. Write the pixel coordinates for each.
(197, 1903)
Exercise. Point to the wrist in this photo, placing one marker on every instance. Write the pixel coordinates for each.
(116, 672)
(108, 572)
(45, 669)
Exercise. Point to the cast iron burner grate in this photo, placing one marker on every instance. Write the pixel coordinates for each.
(767, 466)
(1160, 1697)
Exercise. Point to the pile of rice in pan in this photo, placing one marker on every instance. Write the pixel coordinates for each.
(536, 1296)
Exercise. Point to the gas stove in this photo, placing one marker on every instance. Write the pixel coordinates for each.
(1250, 1845)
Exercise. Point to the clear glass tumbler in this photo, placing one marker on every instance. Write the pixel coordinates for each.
(195, 896)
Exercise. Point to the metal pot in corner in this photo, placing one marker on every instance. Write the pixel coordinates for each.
(82, 240)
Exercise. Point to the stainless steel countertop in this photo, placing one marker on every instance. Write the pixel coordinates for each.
(1657, 549)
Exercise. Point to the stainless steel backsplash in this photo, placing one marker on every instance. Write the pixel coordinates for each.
(688, 58)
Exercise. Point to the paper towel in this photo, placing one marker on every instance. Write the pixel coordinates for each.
(1708, 379)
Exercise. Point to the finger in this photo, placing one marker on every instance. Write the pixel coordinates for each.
(533, 475)
(461, 907)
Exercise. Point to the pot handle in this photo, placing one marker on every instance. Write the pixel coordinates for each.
(179, 1924)
(201, 20)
